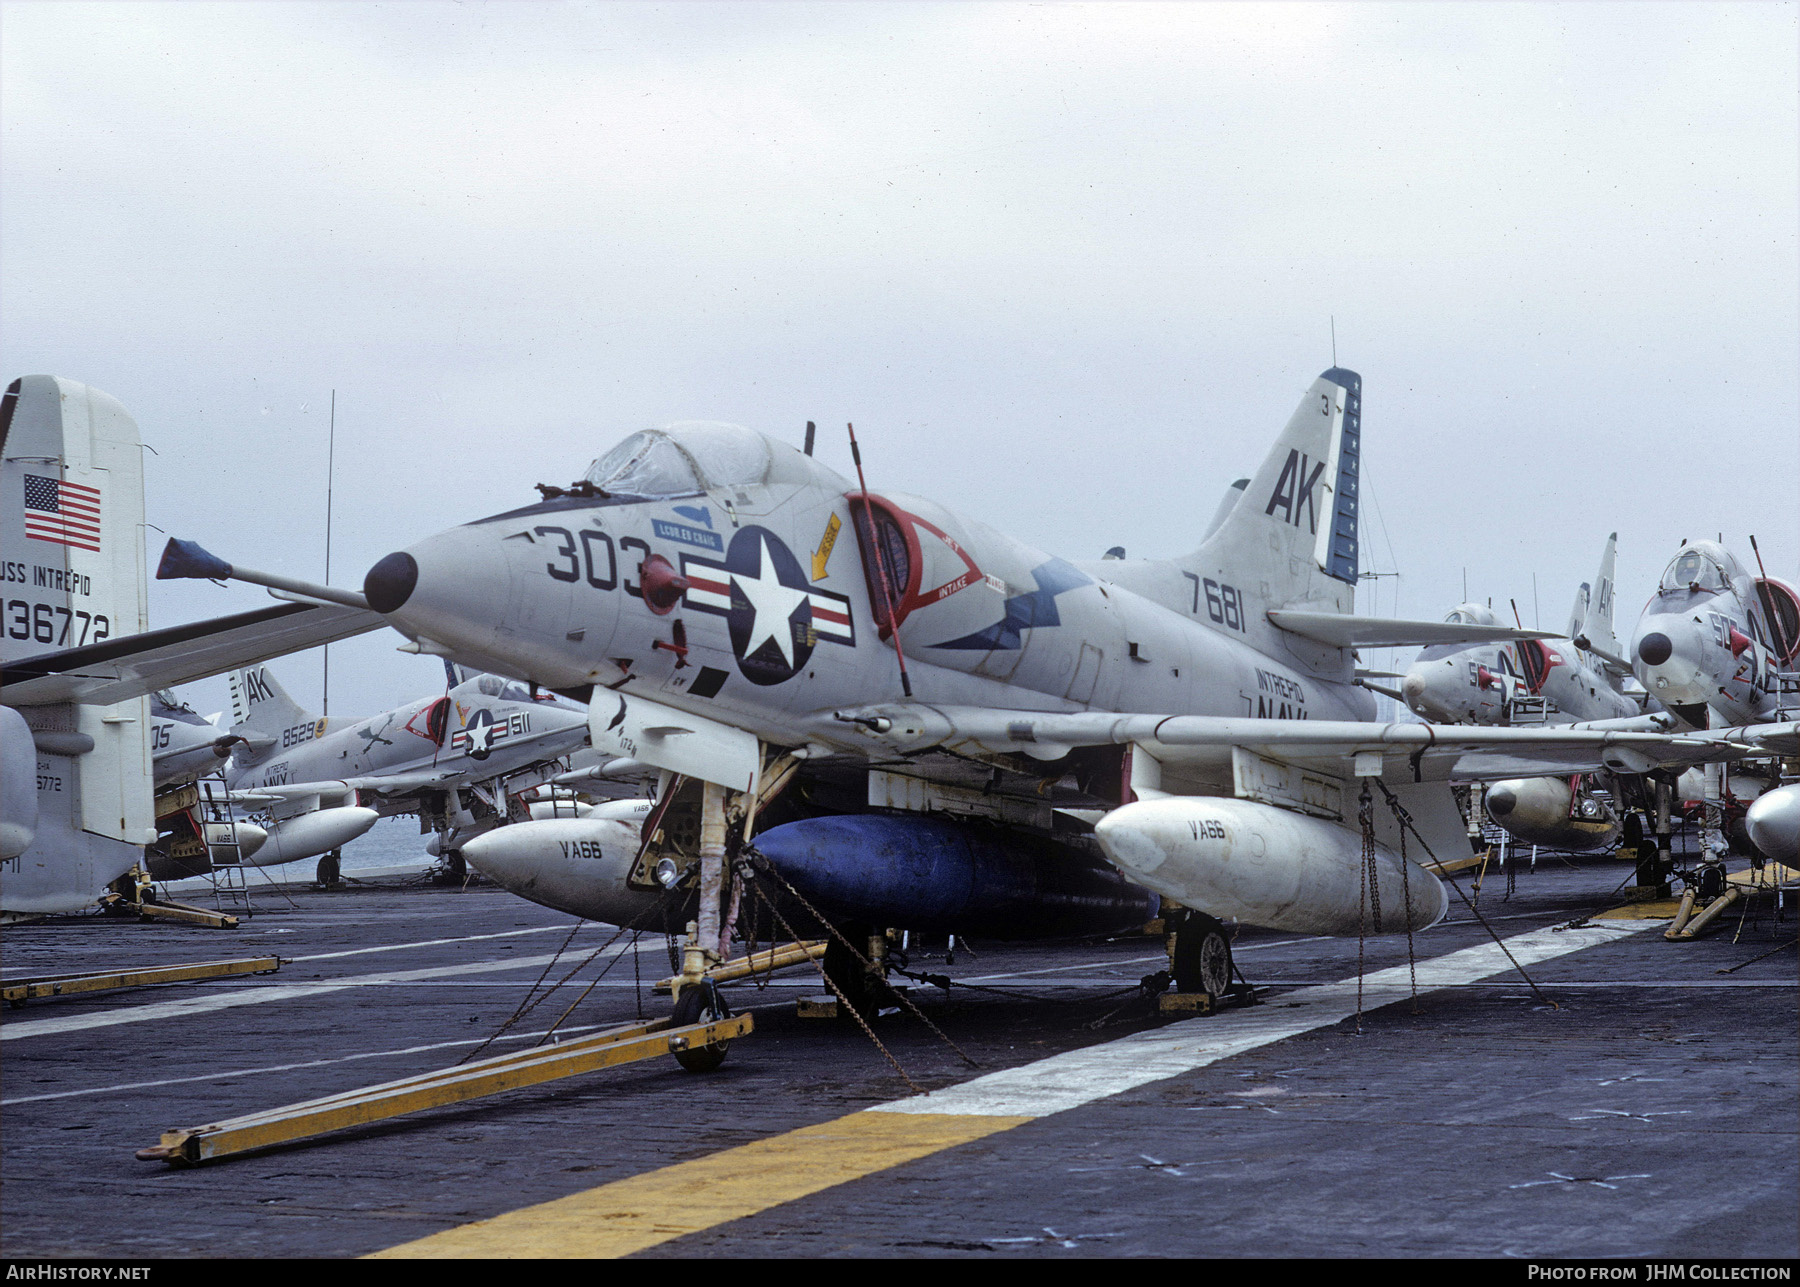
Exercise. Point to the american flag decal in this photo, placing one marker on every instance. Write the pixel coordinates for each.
(62, 513)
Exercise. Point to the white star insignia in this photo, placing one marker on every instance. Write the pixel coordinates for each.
(773, 604)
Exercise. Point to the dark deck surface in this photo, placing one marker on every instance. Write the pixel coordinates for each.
(1653, 1111)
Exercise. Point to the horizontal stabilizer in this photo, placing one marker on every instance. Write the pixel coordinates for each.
(1343, 631)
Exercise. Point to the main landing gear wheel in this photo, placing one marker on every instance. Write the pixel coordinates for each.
(327, 874)
(1202, 957)
(452, 869)
(701, 1003)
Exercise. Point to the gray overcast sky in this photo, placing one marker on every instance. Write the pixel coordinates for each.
(1068, 267)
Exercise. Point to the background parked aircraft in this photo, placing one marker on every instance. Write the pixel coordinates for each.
(453, 759)
(76, 774)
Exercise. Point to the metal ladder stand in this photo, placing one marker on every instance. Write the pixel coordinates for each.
(229, 883)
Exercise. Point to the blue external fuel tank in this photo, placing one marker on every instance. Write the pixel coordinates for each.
(908, 871)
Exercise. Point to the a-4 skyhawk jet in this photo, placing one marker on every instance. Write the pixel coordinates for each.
(324, 782)
(1712, 641)
(1563, 680)
(973, 734)
(1544, 681)
(1716, 646)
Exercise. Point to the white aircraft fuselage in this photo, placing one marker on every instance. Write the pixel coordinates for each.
(1704, 639)
(465, 735)
(321, 782)
(759, 615)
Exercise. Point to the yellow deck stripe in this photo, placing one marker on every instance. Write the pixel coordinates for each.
(632, 1214)
(629, 1215)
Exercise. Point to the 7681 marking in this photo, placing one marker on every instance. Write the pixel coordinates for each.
(1224, 603)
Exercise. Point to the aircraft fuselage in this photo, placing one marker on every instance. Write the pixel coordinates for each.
(1703, 640)
(753, 604)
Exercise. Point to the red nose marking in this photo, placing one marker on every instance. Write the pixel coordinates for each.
(1739, 642)
(1486, 678)
(663, 585)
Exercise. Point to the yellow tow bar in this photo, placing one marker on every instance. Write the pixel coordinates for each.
(608, 1049)
(19, 991)
(775, 958)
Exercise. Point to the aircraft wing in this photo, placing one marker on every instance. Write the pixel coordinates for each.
(1764, 739)
(386, 784)
(117, 670)
(379, 784)
(1343, 631)
(1405, 752)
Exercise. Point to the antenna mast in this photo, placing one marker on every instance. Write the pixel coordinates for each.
(330, 473)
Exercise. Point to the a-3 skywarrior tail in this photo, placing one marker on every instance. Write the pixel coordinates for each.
(72, 575)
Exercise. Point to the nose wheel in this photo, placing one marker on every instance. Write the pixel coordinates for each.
(701, 1003)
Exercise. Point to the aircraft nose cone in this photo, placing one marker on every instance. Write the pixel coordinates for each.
(390, 582)
(1413, 687)
(1500, 801)
(1654, 648)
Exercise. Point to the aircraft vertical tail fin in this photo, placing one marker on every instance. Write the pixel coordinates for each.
(1291, 539)
(73, 518)
(72, 530)
(1597, 613)
(456, 673)
(261, 707)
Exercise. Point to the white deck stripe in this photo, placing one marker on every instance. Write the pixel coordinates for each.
(573, 1030)
(439, 942)
(262, 995)
(1066, 1081)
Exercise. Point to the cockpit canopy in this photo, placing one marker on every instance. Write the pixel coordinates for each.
(510, 690)
(1472, 614)
(684, 459)
(165, 698)
(1692, 569)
